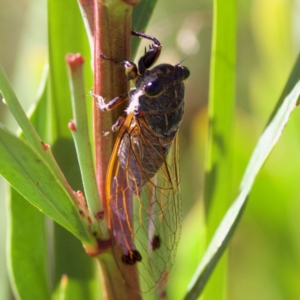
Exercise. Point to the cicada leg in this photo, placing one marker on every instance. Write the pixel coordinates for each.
(145, 62)
(131, 70)
(112, 103)
(150, 56)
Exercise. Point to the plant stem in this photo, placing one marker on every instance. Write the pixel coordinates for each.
(112, 38)
(113, 282)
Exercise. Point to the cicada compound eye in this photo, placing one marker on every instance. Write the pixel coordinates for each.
(154, 88)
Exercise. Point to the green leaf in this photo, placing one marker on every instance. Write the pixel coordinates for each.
(221, 109)
(28, 262)
(218, 177)
(267, 141)
(28, 173)
(27, 247)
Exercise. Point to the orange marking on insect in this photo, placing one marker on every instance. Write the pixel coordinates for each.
(110, 165)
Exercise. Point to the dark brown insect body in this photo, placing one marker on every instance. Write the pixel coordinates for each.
(139, 166)
(158, 105)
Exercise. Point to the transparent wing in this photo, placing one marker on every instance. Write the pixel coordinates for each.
(145, 206)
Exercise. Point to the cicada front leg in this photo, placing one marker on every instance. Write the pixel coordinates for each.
(150, 56)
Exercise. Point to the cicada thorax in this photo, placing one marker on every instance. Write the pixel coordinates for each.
(164, 114)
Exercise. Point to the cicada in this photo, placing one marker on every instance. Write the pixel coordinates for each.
(142, 184)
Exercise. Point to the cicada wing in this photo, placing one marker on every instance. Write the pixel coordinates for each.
(120, 213)
(157, 230)
(145, 212)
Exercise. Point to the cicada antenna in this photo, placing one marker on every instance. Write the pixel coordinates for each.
(179, 63)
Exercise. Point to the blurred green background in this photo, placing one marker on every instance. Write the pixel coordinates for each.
(264, 256)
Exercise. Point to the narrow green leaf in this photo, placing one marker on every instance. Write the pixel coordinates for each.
(221, 112)
(27, 254)
(267, 141)
(217, 193)
(28, 129)
(27, 247)
(28, 173)
(16, 109)
(60, 293)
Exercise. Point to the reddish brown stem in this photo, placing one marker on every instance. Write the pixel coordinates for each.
(112, 38)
